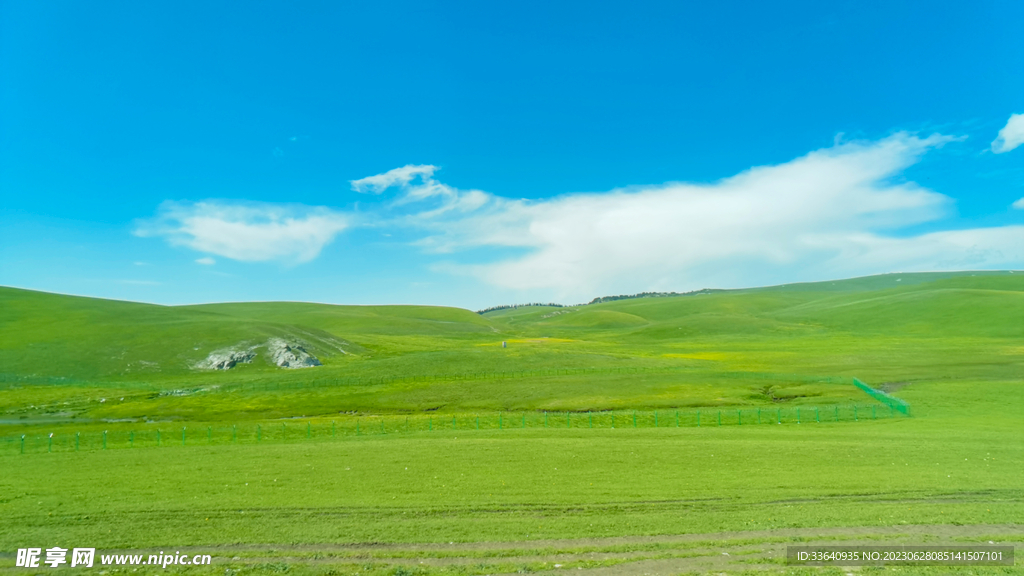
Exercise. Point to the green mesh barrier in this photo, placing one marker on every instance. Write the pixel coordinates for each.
(890, 401)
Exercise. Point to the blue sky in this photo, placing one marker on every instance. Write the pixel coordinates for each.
(474, 154)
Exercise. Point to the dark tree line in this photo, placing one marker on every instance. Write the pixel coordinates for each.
(603, 299)
(507, 306)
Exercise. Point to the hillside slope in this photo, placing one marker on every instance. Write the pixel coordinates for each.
(49, 336)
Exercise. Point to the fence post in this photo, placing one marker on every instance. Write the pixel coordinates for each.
(104, 439)
(655, 418)
(77, 434)
(22, 443)
(334, 431)
(131, 439)
(613, 419)
(590, 419)
(779, 415)
(797, 414)
(545, 418)
(477, 422)
(677, 418)
(837, 413)
(357, 427)
(567, 424)
(855, 419)
(739, 418)
(758, 415)
(634, 418)
(283, 431)
(49, 445)
(209, 434)
(309, 430)
(816, 418)
(234, 433)
(698, 418)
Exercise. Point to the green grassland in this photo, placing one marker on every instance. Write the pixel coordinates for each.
(484, 502)
(673, 352)
(433, 499)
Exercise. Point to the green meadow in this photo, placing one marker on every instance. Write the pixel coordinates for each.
(422, 445)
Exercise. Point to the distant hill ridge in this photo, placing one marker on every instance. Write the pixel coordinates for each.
(652, 295)
(51, 338)
(513, 306)
(601, 299)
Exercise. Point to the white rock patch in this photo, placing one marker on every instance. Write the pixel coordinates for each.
(281, 352)
(290, 355)
(227, 358)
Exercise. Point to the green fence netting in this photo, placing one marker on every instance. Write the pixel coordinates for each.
(890, 401)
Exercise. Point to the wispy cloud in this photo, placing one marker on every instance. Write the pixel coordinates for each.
(248, 232)
(401, 177)
(206, 261)
(1011, 136)
(836, 212)
(833, 212)
(1019, 204)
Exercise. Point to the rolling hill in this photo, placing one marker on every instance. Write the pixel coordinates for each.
(895, 327)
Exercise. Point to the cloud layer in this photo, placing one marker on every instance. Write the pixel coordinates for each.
(248, 232)
(1011, 136)
(401, 177)
(834, 212)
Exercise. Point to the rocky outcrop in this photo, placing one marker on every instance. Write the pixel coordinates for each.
(290, 354)
(280, 352)
(227, 358)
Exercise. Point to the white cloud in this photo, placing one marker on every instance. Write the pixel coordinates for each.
(247, 232)
(397, 177)
(834, 212)
(206, 261)
(1011, 136)
(445, 197)
(1019, 204)
(837, 212)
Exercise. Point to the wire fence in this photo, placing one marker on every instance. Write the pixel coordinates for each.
(145, 390)
(269, 385)
(315, 381)
(892, 402)
(167, 435)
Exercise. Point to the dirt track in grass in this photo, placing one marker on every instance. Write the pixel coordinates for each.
(619, 556)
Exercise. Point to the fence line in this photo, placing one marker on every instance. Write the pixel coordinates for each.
(320, 382)
(258, 386)
(169, 389)
(891, 401)
(280, 432)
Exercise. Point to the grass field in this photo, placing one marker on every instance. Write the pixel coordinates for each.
(544, 499)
